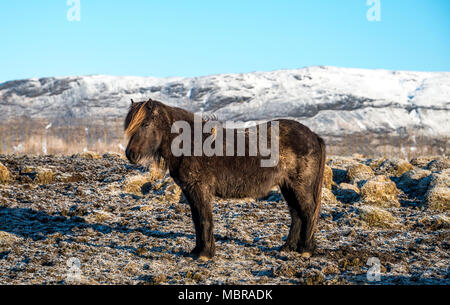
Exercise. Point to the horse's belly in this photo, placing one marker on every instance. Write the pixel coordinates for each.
(254, 186)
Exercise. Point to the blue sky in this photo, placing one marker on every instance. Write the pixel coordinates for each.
(193, 38)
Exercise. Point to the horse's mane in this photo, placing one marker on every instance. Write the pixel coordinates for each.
(135, 118)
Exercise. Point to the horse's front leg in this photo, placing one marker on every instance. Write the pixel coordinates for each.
(201, 211)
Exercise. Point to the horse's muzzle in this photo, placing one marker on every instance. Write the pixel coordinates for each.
(131, 156)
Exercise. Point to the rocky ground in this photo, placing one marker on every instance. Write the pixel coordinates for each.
(91, 219)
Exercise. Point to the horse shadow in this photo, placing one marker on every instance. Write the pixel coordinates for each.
(38, 225)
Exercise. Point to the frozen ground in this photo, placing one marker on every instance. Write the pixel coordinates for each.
(127, 227)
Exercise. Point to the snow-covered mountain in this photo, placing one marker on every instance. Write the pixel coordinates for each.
(331, 101)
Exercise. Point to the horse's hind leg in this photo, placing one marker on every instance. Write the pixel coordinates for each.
(294, 231)
(306, 245)
(301, 204)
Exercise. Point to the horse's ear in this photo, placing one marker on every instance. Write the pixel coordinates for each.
(150, 104)
(132, 102)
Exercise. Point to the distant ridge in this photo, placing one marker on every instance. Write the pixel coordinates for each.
(331, 101)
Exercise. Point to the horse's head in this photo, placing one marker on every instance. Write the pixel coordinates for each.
(144, 138)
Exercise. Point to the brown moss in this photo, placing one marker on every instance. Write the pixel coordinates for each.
(347, 193)
(375, 163)
(71, 177)
(99, 216)
(131, 268)
(422, 161)
(145, 208)
(376, 217)
(327, 177)
(314, 277)
(436, 222)
(44, 176)
(7, 240)
(380, 191)
(139, 184)
(38, 175)
(439, 164)
(359, 172)
(90, 155)
(5, 176)
(438, 199)
(114, 156)
(172, 193)
(328, 196)
(394, 167)
(438, 194)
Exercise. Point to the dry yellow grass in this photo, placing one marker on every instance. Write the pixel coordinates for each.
(377, 217)
(141, 184)
(380, 191)
(438, 199)
(328, 177)
(328, 196)
(359, 172)
(44, 176)
(70, 137)
(88, 155)
(4, 174)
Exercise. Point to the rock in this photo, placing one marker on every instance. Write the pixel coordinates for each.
(359, 172)
(113, 156)
(375, 163)
(376, 217)
(435, 222)
(44, 176)
(158, 279)
(87, 155)
(6, 240)
(285, 269)
(347, 193)
(313, 277)
(414, 182)
(438, 194)
(140, 184)
(71, 177)
(339, 175)
(145, 208)
(438, 198)
(5, 176)
(327, 177)
(99, 216)
(394, 167)
(342, 162)
(439, 164)
(38, 175)
(274, 195)
(131, 268)
(172, 193)
(380, 191)
(328, 196)
(441, 179)
(422, 161)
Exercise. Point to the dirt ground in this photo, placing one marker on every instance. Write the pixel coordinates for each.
(91, 219)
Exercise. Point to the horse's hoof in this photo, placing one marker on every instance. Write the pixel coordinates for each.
(203, 258)
(306, 254)
(287, 248)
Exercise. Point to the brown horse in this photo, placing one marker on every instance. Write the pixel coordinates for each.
(298, 171)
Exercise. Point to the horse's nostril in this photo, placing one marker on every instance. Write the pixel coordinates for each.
(130, 155)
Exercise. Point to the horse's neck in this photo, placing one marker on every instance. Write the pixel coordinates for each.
(169, 117)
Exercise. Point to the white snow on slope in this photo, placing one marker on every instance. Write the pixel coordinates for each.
(330, 100)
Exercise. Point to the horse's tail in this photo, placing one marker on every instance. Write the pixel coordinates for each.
(318, 185)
